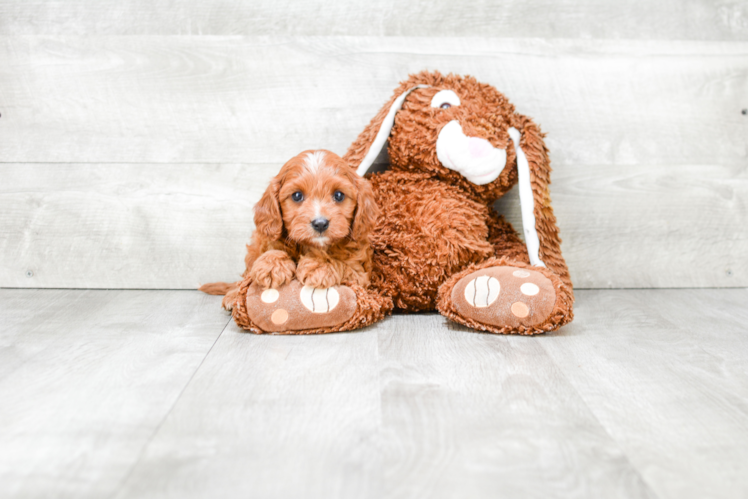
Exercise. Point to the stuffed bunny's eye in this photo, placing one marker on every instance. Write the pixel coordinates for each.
(445, 99)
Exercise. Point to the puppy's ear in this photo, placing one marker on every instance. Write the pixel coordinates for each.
(268, 219)
(367, 210)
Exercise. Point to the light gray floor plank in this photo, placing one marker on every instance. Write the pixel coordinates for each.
(459, 414)
(644, 394)
(665, 373)
(272, 416)
(85, 379)
(664, 19)
(90, 226)
(166, 99)
(471, 415)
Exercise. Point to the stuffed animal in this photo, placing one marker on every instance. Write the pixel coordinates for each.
(455, 146)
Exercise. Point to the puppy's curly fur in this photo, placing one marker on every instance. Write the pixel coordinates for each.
(316, 185)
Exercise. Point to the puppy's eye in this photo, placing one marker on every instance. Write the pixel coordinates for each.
(445, 105)
(338, 196)
(297, 196)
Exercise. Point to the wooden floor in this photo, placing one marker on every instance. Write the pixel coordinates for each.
(156, 393)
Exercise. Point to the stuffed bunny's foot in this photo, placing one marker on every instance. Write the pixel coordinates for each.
(502, 299)
(294, 307)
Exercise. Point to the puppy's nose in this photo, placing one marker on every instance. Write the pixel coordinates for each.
(320, 224)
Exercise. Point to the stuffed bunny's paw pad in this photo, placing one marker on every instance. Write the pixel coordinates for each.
(294, 307)
(504, 296)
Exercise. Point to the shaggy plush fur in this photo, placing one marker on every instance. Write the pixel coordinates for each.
(437, 226)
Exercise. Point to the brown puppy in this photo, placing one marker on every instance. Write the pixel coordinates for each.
(312, 223)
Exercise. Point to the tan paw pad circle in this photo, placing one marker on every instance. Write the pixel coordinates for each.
(270, 295)
(279, 316)
(319, 300)
(520, 309)
(482, 291)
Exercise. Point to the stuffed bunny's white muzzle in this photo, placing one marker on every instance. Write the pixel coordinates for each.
(475, 158)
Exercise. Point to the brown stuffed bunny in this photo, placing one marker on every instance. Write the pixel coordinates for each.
(455, 146)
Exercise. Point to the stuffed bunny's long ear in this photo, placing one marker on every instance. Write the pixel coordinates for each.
(383, 124)
(538, 221)
(527, 201)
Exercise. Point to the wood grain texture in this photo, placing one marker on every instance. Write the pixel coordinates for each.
(272, 416)
(391, 411)
(175, 226)
(664, 372)
(650, 226)
(126, 226)
(667, 19)
(471, 415)
(647, 140)
(643, 395)
(264, 99)
(86, 377)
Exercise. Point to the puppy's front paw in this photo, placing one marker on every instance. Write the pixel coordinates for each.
(273, 269)
(317, 274)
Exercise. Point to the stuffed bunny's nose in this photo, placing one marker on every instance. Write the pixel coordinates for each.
(478, 147)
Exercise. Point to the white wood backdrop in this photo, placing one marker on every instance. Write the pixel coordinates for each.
(136, 136)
